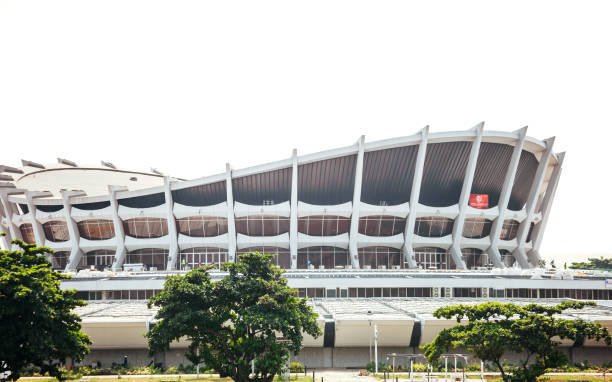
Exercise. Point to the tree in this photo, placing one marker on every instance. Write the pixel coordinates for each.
(594, 263)
(36, 322)
(249, 315)
(494, 329)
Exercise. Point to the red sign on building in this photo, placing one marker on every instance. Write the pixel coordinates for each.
(479, 201)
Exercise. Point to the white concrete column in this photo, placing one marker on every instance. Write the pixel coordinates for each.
(414, 199)
(10, 210)
(465, 197)
(293, 228)
(231, 223)
(121, 251)
(356, 204)
(504, 198)
(532, 198)
(75, 254)
(551, 189)
(173, 248)
(39, 233)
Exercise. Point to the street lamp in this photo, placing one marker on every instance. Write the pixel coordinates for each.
(370, 320)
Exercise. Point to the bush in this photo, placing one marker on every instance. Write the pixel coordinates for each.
(296, 367)
(370, 366)
(473, 367)
(171, 370)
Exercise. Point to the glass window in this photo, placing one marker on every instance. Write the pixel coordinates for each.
(202, 226)
(262, 225)
(99, 260)
(431, 258)
(475, 258)
(379, 258)
(146, 227)
(433, 226)
(56, 231)
(96, 229)
(509, 229)
(381, 225)
(59, 260)
(27, 233)
(149, 257)
(323, 225)
(193, 258)
(326, 257)
(476, 228)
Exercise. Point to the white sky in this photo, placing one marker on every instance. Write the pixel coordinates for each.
(185, 86)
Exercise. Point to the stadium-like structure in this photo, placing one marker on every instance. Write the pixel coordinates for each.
(454, 200)
(376, 234)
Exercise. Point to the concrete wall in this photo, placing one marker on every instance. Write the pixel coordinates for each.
(320, 357)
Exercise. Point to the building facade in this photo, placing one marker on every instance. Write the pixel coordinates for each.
(471, 199)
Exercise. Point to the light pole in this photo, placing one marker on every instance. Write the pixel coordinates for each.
(376, 349)
(370, 320)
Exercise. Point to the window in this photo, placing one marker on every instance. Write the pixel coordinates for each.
(476, 228)
(262, 225)
(327, 257)
(433, 226)
(146, 227)
(509, 229)
(202, 226)
(96, 229)
(323, 225)
(27, 233)
(193, 258)
(381, 225)
(56, 231)
(379, 257)
(150, 257)
(431, 258)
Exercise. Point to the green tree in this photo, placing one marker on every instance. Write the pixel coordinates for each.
(36, 322)
(249, 315)
(494, 329)
(594, 263)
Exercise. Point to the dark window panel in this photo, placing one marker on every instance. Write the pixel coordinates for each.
(205, 195)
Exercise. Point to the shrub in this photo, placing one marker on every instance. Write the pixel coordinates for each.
(296, 367)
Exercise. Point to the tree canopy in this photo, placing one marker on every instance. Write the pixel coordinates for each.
(594, 263)
(494, 329)
(249, 315)
(36, 322)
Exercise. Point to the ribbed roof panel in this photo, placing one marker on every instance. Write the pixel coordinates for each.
(204, 195)
(270, 185)
(145, 201)
(443, 173)
(491, 168)
(525, 174)
(388, 174)
(327, 182)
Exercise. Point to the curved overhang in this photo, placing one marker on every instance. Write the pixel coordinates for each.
(531, 145)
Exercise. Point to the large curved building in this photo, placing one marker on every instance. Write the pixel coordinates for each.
(456, 200)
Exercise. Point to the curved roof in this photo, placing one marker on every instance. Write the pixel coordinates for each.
(327, 177)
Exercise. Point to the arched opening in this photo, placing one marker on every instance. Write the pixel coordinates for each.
(56, 231)
(381, 225)
(379, 257)
(262, 225)
(433, 226)
(282, 258)
(431, 258)
(323, 225)
(322, 258)
(145, 228)
(193, 258)
(202, 226)
(150, 257)
(96, 229)
(476, 228)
